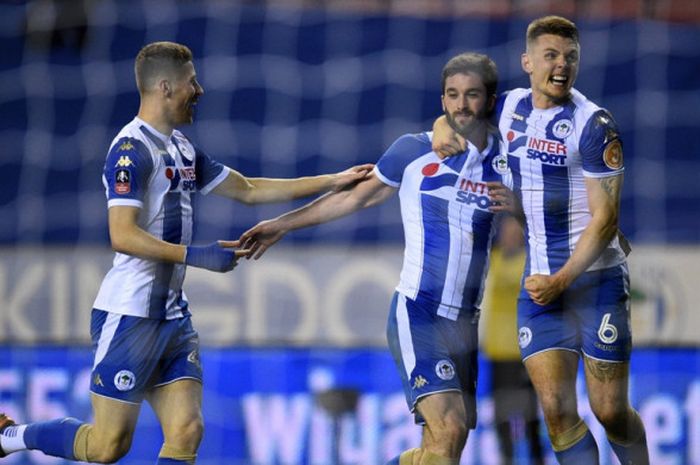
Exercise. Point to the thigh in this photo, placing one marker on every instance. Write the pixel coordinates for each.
(114, 421)
(177, 405)
(607, 384)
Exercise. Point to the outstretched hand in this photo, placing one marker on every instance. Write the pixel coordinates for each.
(350, 176)
(217, 256)
(260, 237)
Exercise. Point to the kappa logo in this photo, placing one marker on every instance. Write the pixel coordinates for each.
(124, 162)
(126, 145)
(97, 380)
(419, 382)
(124, 380)
(193, 357)
(445, 369)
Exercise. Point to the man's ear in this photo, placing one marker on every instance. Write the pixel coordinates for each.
(525, 63)
(442, 102)
(165, 88)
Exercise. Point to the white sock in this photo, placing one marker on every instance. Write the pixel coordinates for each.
(12, 439)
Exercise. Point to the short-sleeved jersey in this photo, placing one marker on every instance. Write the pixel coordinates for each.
(159, 175)
(550, 153)
(447, 225)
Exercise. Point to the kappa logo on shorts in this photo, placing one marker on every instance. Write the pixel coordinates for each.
(193, 357)
(124, 380)
(524, 337)
(97, 380)
(419, 382)
(445, 369)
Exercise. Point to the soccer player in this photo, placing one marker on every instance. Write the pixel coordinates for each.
(565, 155)
(144, 343)
(432, 327)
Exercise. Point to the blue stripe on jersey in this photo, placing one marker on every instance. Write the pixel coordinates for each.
(481, 229)
(457, 162)
(436, 231)
(556, 218)
(431, 184)
(567, 112)
(521, 113)
(153, 138)
(172, 232)
(206, 169)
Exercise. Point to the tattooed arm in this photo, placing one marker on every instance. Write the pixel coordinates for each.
(604, 204)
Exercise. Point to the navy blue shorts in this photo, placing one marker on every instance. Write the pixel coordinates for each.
(592, 317)
(434, 353)
(133, 354)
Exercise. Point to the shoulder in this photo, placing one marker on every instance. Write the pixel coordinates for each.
(412, 144)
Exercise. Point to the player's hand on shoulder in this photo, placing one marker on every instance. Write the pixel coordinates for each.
(446, 142)
(260, 237)
(350, 176)
(219, 256)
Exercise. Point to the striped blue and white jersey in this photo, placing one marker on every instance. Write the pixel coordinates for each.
(550, 153)
(159, 175)
(447, 225)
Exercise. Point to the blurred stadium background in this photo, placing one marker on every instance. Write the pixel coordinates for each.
(299, 88)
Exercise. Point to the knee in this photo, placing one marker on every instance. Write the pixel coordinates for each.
(450, 431)
(612, 416)
(187, 435)
(559, 411)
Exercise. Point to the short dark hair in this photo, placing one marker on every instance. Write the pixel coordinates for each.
(476, 63)
(555, 25)
(159, 57)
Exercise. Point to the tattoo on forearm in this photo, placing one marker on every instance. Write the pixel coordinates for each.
(605, 371)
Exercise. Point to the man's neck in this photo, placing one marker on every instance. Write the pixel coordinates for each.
(478, 137)
(154, 117)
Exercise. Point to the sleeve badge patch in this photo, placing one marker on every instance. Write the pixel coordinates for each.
(612, 156)
(122, 181)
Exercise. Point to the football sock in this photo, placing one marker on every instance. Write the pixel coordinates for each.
(55, 437)
(80, 445)
(12, 439)
(428, 458)
(634, 451)
(575, 446)
(170, 455)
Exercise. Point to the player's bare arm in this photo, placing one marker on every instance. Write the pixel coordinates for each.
(370, 191)
(253, 191)
(604, 204)
(129, 238)
(446, 141)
